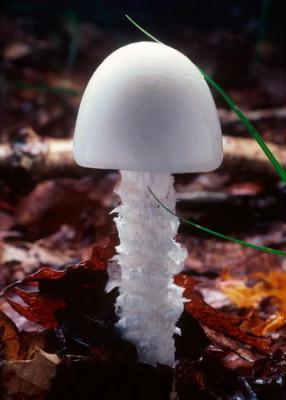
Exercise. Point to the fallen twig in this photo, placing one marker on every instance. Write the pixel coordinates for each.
(32, 157)
(228, 118)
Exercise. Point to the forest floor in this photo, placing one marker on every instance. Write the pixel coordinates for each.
(57, 326)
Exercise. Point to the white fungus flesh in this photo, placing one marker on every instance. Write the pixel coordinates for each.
(149, 304)
(148, 111)
(148, 108)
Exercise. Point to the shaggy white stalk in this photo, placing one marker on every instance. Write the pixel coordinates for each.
(149, 304)
(147, 107)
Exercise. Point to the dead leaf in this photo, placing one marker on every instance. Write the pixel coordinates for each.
(29, 254)
(33, 305)
(9, 338)
(223, 323)
(40, 295)
(30, 377)
(30, 343)
(82, 204)
(250, 291)
(38, 309)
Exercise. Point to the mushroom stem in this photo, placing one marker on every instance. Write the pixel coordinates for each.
(149, 304)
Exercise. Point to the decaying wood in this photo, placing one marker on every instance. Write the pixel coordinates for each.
(38, 156)
(205, 199)
(244, 156)
(229, 118)
(30, 156)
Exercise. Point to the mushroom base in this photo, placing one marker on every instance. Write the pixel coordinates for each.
(149, 304)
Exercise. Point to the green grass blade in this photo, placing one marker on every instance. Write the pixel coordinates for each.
(142, 29)
(254, 133)
(218, 234)
(245, 121)
(251, 129)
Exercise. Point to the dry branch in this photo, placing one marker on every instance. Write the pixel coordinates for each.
(41, 157)
(229, 118)
(32, 157)
(244, 157)
(203, 200)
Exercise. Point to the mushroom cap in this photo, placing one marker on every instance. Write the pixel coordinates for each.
(147, 107)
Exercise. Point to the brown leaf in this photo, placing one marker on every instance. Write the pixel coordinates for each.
(228, 343)
(30, 377)
(215, 255)
(30, 343)
(20, 258)
(29, 300)
(9, 338)
(81, 204)
(216, 320)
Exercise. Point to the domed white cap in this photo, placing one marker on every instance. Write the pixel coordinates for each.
(147, 107)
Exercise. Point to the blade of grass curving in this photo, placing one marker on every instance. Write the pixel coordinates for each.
(256, 135)
(250, 127)
(218, 234)
(245, 121)
(142, 29)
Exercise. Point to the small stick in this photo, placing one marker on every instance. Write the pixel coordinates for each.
(230, 118)
(37, 158)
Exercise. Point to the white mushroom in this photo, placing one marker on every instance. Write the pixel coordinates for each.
(148, 111)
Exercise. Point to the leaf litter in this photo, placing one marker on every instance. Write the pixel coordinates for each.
(218, 355)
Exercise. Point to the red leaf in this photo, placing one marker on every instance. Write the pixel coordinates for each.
(44, 273)
(39, 305)
(216, 320)
(38, 308)
(102, 254)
